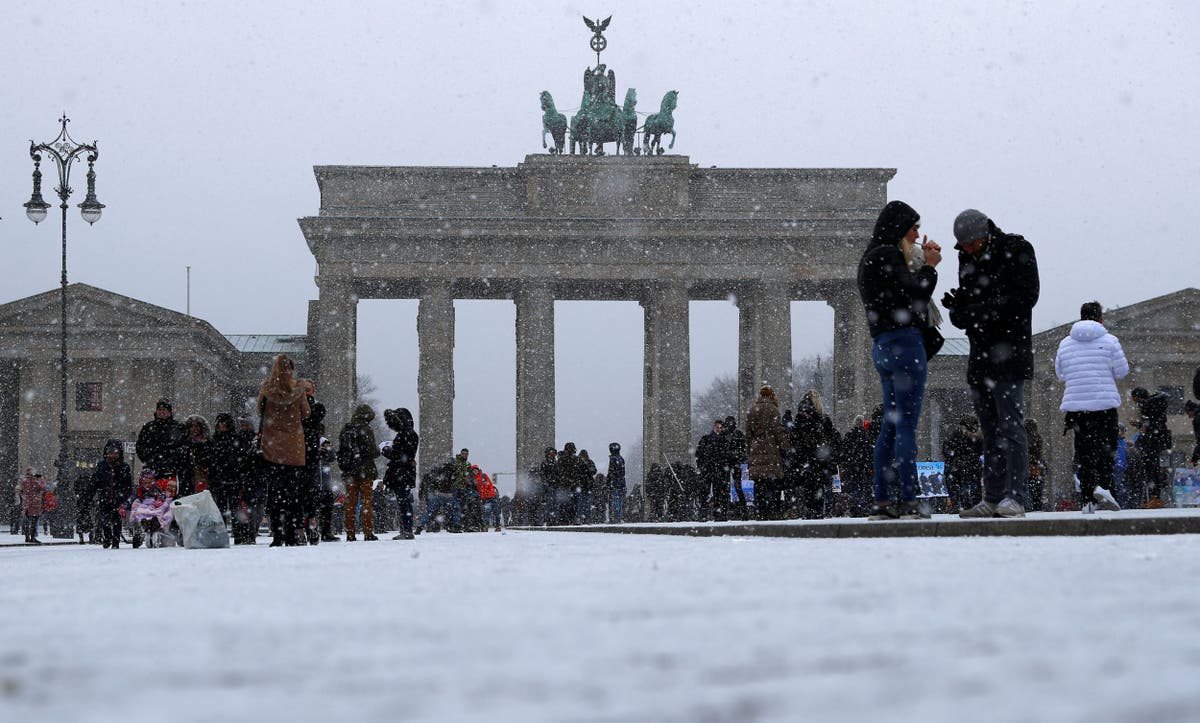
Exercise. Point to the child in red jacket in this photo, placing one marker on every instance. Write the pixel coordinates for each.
(488, 495)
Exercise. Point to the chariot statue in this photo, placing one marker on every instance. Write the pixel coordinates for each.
(599, 119)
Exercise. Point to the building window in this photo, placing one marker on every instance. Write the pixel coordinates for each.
(89, 397)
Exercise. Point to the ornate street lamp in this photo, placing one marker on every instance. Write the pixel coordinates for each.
(64, 151)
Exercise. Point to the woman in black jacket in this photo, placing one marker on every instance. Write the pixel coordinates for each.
(896, 301)
(400, 477)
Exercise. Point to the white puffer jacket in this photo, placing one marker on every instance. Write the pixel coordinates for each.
(1090, 361)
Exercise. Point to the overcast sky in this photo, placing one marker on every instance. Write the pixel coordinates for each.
(1071, 123)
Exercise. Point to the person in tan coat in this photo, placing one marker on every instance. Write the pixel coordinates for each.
(282, 404)
(768, 441)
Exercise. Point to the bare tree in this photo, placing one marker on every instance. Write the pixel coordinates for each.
(720, 398)
(718, 401)
(365, 393)
(814, 372)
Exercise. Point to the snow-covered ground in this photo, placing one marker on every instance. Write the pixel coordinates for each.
(562, 626)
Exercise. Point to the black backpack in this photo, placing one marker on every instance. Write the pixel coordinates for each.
(347, 454)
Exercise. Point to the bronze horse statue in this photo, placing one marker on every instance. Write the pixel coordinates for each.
(659, 123)
(554, 123)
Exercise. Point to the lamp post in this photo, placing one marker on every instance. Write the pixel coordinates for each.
(64, 151)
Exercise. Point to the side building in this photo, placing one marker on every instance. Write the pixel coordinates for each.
(124, 354)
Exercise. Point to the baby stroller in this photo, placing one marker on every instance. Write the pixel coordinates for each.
(150, 519)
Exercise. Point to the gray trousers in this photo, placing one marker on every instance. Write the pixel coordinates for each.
(1000, 409)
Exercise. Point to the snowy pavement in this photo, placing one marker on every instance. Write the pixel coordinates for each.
(550, 626)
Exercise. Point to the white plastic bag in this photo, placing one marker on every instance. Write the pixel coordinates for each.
(200, 521)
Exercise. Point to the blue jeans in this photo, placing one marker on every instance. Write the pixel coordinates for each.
(491, 508)
(999, 407)
(899, 357)
(438, 500)
(618, 505)
(583, 508)
(405, 501)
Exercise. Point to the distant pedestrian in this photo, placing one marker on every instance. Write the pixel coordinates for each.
(85, 510)
(33, 489)
(356, 454)
(962, 450)
(1089, 361)
(767, 441)
(1035, 487)
(162, 445)
(714, 472)
(855, 454)
(1153, 440)
(998, 286)
(400, 477)
(1191, 408)
(616, 483)
(488, 497)
(111, 486)
(737, 456)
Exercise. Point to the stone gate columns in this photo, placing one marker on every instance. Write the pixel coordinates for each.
(336, 326)
(856, 386)
(435, 375)
(667, 391)
(535, 377)
(764, 346)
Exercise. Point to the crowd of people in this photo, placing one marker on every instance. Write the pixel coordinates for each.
(282, 471)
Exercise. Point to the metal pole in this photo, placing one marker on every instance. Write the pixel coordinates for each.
(63, 360)
(189, 291)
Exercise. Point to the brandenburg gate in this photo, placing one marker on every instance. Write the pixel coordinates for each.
(656, 229)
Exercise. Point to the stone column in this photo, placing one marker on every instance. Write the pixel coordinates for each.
(535, 378)
(435, 375)
(764, 346)
(335, 323)
(667, 403)
(856, 386)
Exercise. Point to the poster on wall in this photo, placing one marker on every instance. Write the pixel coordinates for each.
(1187, 487)
(747, 485)
(931, 479)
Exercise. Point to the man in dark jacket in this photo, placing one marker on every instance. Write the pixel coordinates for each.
(998, 287)
(541, 501)
(714, 471)
(616, 483)
(568, 471)
(737, 452)
(1154, 439)
(162, 444)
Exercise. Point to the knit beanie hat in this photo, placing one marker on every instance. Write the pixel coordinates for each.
(969, 226)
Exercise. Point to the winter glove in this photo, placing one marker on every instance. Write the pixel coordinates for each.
(950, 299)
(121, 511)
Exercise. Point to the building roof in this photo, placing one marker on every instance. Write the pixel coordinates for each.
(268, 343)
(957, 346)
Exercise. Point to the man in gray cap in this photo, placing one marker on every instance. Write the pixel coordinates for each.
(997, 288)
